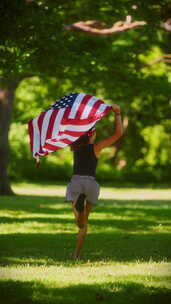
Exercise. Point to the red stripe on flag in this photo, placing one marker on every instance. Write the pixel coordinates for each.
(83, 104)
(76, 122)
(51, 147)
(66, 141)
(95, 108)
(51, 124)
(72, 133)
(40, 122)
(30, 128)
(65, 116)
(99, 116)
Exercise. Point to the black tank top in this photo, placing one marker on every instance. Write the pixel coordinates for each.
(85, 161)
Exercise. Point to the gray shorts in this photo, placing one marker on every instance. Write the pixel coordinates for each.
(83, 184)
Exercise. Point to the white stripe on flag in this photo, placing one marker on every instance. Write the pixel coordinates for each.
(56, 144)
(101, 109)
(56, 126)
(76, 105)
(67, 136)
(45, 125)
(36, 136)
(88, 107)
(46, 150)
(77, 128)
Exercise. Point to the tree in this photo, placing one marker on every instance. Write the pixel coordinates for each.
(23, 52)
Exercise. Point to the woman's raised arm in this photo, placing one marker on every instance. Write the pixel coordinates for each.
(117, 133)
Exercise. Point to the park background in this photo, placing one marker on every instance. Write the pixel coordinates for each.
(126, 257)
(42, 61)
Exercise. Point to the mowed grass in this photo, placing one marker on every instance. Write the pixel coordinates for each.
(126, 257)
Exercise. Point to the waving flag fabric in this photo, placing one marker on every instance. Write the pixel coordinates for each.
(64, 122)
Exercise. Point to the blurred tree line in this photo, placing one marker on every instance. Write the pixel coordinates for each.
(41, 62)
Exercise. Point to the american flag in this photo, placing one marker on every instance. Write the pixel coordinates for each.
(64, 122)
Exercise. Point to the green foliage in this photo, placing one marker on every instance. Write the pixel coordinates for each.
(35, 47)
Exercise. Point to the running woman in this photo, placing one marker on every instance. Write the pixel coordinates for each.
(83, 190)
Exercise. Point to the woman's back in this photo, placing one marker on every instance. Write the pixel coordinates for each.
(85, 161)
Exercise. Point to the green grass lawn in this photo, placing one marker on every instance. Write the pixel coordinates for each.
(126, 257)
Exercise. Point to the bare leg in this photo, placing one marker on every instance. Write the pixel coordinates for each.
(82, 222)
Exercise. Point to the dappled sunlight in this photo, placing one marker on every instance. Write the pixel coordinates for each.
(106, 193)
(44, 190)
(88, 269)
(127, 247)
(135, 194)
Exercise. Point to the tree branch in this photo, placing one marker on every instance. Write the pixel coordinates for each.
(167, 25)
(165, 58)
(95, 27)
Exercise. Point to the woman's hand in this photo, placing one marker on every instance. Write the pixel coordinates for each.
(116, 108)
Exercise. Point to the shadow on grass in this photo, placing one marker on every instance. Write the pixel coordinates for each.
(57, 205)
(115, 292)
(34, 203)
(52, 249)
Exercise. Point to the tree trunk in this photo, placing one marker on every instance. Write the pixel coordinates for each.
(6, 105)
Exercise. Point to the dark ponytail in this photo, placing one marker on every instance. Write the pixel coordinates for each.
(80, 142)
